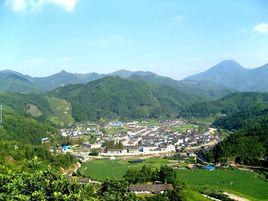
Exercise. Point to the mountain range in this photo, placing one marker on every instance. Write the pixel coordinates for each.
(232, 75)
(223, 78)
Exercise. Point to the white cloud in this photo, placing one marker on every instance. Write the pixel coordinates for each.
(178, 18)
(261, 28)
(25, 6)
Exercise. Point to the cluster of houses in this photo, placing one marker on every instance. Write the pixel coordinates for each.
(138, 139)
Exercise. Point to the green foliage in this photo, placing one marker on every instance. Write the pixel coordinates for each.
(62, 111)
(57, 111)
(250, 143)
(113, 97)
(15, 82)
(115, 190)
(227, 105)
(41, 185)
(25, 129)
(94, 152)
(17, 154)
(113, 145)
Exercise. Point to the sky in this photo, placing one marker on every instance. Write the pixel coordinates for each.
(175, 38)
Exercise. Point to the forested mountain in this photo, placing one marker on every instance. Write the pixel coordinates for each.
(232, 75)
(11, 81)
(204, 89)
(19, 83)
(249, 142)
(63, 78)
(227, 105)
(117, 97)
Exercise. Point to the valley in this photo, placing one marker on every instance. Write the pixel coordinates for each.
(118, 127)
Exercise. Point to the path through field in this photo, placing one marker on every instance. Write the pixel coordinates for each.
(235, 197)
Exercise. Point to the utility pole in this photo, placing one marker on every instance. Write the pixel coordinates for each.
(1, 115)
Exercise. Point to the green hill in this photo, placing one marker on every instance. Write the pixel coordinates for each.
(56, 110)
(113, 97)
(229, 104)
(15, 82)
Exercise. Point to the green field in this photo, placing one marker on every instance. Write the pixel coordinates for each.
(195, 196)
(183, 128)
(245, 183)
(102, 169)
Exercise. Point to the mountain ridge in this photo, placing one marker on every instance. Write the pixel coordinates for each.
(232, 75)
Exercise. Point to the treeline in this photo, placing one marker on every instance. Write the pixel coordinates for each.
(16, 155)
(165, 175)
(20, 141)
(227, 105)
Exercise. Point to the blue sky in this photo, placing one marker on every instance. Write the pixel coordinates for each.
(170, 37)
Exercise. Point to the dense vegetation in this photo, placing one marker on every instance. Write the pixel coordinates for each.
(44, 183)
(164, 175)
(15, 82)
(21, 140)
(248, 144)
(113, 97)
(23, 128)
(15, 154)
(229, 104)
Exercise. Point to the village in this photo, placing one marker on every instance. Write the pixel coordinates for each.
(115, 139)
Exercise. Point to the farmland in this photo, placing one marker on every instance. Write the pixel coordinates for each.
(245, 183)
(102, 169)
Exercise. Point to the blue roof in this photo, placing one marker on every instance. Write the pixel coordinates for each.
(210, 167)
(65, 147)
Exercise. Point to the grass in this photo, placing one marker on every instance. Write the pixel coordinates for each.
(183, 128)
(114, 130)
(195, 196)
(102, 169)
(207, 120)
(245, 183)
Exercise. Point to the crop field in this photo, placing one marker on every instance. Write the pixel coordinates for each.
(245, 183)
(102, 169)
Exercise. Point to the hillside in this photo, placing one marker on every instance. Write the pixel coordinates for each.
(40, 107)
(232, 75)
(227, 105)
(22, 128)
(204, 89)
(247, 145)
(11, 81)
(112, 97)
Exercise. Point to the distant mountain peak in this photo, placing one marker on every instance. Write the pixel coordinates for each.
(228, 65)
(122, 73)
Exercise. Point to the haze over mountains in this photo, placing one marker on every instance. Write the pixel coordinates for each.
(232, 75)
(223, 78)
